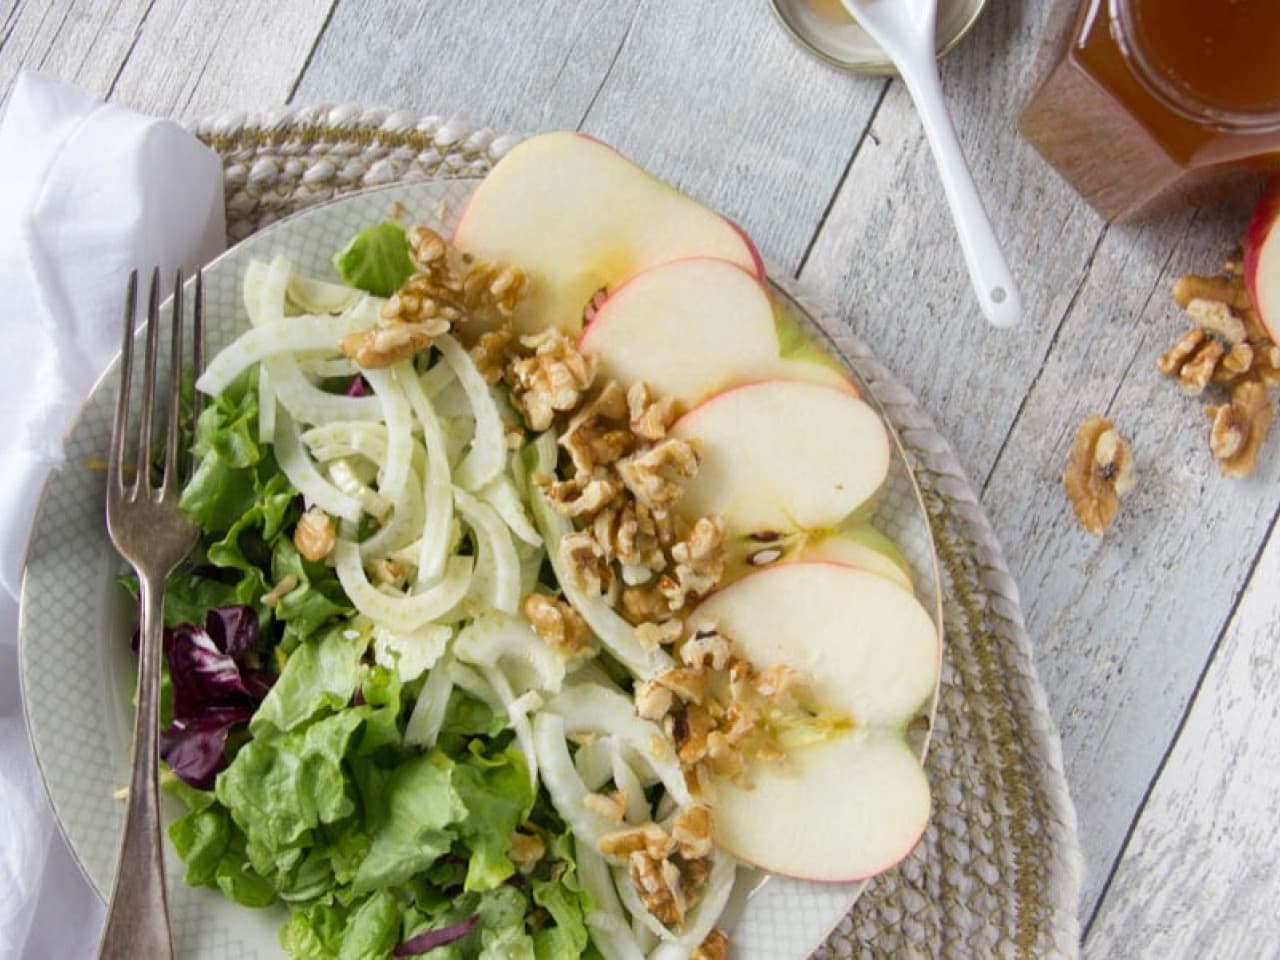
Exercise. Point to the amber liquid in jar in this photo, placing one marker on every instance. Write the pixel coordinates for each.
(1155, 102)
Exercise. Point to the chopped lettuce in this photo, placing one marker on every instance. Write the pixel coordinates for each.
(377, 259)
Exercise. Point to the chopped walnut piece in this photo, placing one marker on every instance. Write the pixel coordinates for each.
(561, 626)
(1228, 290)
(494, 287)
(1217, 318)
(382, 347)
(705, 648)
(687, 684)
(660, 886)
(598, 434)
(490, 353)
(699, 563)
(526, 850)
(1100, 471)
(552, 380)
(691, 831)
(611, 806)
(587, 563)
(688, 729)
(315, 535)
(629, 534)
(647, 838)
(649, 417)
(656, 476)
(426, 247)
(585, 495)
(644, 604)
(714, 947)
(655, 635)
(1266, 364)
(1240, 428)
(653, 700)
(1194, 360)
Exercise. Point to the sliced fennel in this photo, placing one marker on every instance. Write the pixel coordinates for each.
(304, 476)
(488, 453)
(425, 722)
(494, 637)
(501, 494)
(437, 485)
(500, 586)
(406, 612)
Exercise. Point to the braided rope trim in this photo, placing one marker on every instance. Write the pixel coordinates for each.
(999, 871)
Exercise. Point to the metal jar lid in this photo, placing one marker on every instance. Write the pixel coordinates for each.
(829, 33)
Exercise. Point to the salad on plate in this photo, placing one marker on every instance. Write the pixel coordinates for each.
(536, 593)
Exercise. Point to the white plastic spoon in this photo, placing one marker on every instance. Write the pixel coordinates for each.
(905, 31)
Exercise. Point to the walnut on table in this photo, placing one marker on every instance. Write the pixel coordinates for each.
(1227, 347)
(1240, 427)
(1098, 474)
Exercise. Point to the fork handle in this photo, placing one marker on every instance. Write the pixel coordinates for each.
(138, 919)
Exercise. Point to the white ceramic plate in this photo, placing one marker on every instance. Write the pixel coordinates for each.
(78, 673)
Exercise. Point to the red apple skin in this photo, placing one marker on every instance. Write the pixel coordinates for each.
(1265, 215)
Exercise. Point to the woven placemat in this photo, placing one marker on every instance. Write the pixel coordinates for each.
(998, 873)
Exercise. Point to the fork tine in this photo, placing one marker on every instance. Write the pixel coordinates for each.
(170, 479)
(149, 384)
(115, 459)
(197, 355)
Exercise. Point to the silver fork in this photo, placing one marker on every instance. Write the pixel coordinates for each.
(154, 536)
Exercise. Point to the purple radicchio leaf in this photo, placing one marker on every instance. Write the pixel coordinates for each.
(214, 688)
(195, 749)
(431, 939)
(357, 387)
(202, 675)
(233, 628)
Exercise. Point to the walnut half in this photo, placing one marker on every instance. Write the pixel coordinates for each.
(1099, 473)
(1240, 428)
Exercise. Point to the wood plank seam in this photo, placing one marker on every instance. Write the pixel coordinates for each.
(863, 135)
(613, 62)
(133, 45)
(1177, 732)
(315, 44)
(1044, 360)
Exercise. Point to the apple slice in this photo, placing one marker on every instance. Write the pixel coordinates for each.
(863, 547)
(580, 218)
(1262, 259)
(780, 456)
(690, 328)
(687, 328)
(854, 804)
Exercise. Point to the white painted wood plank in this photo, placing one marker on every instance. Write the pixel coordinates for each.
(1124, 624)
(1201, 875)
(888, 252)
(167, 57)
(196, 59)
(78, 40)
(517, 67)
(716, 97)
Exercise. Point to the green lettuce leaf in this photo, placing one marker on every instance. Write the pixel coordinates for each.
(422, 805)
(497, 796)
(376, 259)
(319, 675)
(279, 790)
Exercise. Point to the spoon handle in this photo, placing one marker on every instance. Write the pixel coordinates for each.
(988, 270)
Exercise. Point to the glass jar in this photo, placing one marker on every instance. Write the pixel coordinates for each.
(1158, 102)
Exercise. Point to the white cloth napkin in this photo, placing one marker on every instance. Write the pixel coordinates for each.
(88, 191)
